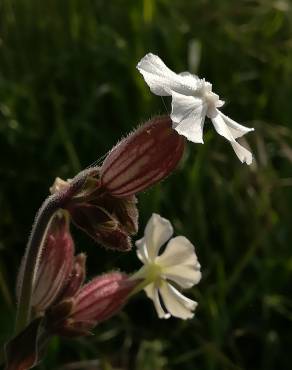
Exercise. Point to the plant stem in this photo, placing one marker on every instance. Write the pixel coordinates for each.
(36, 241)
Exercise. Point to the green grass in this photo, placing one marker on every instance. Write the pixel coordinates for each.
(69, 90)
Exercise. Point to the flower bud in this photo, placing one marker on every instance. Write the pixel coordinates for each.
(76, 277)
(109, 221)
(145, 157)
(55, 264)
(98, 300)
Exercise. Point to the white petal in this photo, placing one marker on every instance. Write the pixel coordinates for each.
(142, 251)
(177, 304)
(235, 128)
(178, 251)
(152, 293)
(156, 74)
(179, 262)
(220, 125)
(157, 232)
(187, 74)
(185, 276)
(242, 153)
(149, 290)
(189, 81)
(183, 105)
(162, 80)
(188, 115)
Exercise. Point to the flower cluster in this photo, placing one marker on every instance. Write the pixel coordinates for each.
(53, 297)
(70, 307)
(61, 303)
(106, 205)
(73, 308)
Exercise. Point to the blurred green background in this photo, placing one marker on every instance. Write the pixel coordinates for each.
(69, 90)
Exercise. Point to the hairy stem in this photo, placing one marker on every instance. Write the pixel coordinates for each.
(36, 241)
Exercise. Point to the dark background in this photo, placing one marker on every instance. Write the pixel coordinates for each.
(69, 90)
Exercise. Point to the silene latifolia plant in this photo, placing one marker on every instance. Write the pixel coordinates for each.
(53, 296)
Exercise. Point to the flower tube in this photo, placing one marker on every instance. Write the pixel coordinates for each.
(142, 159)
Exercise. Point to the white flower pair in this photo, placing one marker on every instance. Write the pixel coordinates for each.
(192, 101)
(178, 266)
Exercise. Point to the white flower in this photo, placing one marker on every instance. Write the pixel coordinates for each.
(177, 266)
(192, 100)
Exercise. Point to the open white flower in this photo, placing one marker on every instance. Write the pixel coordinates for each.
(192, 100)
(177, 266)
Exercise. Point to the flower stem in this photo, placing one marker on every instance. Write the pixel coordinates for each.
(35, 244)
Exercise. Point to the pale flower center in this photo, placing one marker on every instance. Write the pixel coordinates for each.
(208, 95)
(211, 99)
(153, 272)
(149, 273)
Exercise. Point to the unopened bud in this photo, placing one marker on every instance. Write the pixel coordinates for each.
(55, 264)
(110, 226)
(76, 277)
(109, 220)
(98, 300)
(145, 157)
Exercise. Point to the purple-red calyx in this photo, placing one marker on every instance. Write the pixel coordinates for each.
(142, 159)
(55, 264)
(96, 301)
(76, 277)
(70, 307)
(109, 221)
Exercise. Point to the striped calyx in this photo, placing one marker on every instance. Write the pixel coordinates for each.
(97, 301)
(142, 159)
(108, 220)
(55, 265)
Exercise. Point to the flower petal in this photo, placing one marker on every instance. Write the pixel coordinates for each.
(220, 125)
(176, 303)
(179, 251)
(185, 276)
(152, 293)
(142, 252)
(163, 80)
(218, 121)
(188, 114)
(244, 155)
(235, 128)
(179, 262)
(156, 74)
(158, 230)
